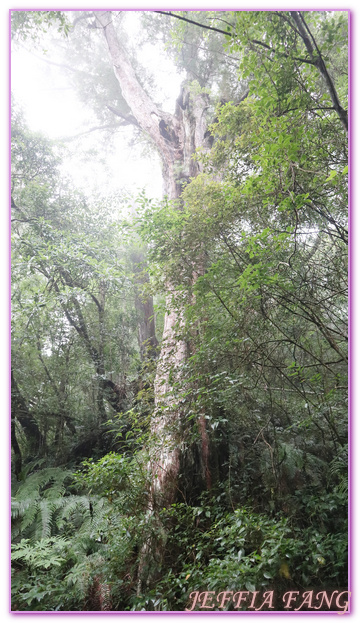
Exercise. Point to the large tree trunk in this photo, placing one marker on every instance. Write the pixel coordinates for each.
(176, 137)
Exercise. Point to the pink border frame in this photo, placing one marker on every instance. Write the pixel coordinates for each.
(35, 613)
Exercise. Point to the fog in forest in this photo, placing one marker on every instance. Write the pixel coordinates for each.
(179, 311)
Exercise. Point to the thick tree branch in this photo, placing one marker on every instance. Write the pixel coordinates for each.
(127, 119)
(145, 111)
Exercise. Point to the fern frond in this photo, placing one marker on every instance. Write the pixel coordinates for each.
(46, 553)
(74, 503)
(29, 515)
(46, 513)
(338, 469)
(19, 508)
(37, 502)
(51, 478)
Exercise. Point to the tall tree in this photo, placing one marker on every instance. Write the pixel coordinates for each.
(176, 137)
(249, 247)
(272, 227)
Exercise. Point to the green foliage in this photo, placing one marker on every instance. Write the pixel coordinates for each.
(89, 539)
(267, 243)
(210, 548)
(37, 500)
(197, 52)
(74, 331)
(118, 478)
(59, 542)
(254, 255)
(260, 254)
(33, 24)
(47, 553)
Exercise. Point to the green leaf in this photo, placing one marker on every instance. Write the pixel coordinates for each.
(331, 176)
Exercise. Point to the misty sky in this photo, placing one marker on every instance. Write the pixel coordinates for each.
(52, 107)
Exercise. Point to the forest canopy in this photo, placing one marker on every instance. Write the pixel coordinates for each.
(179, 357)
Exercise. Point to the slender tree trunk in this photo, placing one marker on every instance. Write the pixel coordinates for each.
(16, 449)
(20, 411)
(145, 307)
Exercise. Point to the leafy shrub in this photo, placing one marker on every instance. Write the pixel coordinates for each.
(211, 549)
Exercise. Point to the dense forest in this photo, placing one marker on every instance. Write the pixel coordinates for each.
(179, 436)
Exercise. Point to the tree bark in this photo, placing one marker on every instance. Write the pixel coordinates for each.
(16, 448)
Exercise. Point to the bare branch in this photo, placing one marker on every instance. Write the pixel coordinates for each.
(190, 21)
(108, 126)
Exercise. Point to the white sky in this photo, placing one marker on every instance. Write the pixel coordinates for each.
(4, 247)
